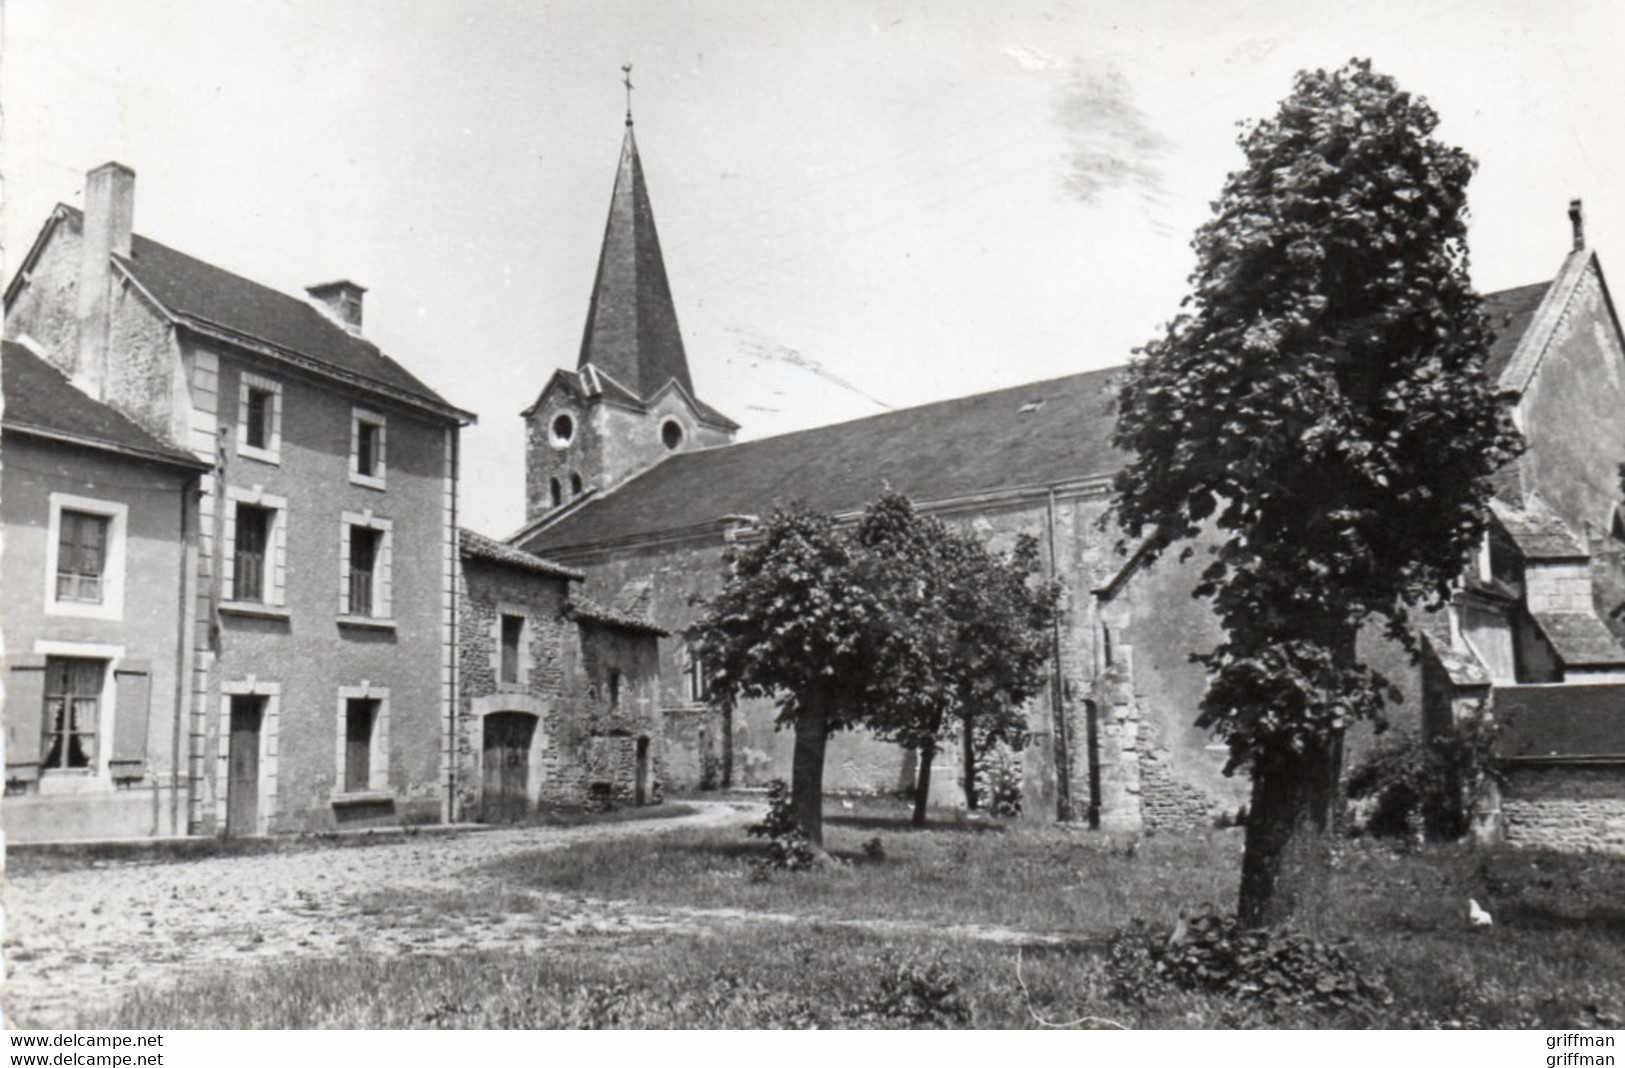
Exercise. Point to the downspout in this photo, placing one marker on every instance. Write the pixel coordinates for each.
(190, 493)
(1063, 763)
(453, 697)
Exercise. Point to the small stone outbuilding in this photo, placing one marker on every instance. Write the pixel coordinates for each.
(557, 697)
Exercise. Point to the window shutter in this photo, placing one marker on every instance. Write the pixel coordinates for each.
(132, 701)
(25, 716)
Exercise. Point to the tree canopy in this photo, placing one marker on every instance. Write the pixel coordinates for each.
(1321, 405)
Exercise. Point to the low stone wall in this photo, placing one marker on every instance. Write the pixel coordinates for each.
(1576, 808)
(1166, 804)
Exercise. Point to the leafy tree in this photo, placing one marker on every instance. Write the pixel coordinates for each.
(966, 640)
(795, 622)
(1321, 403)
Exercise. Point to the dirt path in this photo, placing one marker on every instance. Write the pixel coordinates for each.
(86, 935)
(83, 937)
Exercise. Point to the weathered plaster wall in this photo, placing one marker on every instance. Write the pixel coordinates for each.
(1568, 807)
(603, 732)
(309, 652)
(67, 805)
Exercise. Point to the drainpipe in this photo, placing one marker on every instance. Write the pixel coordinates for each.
(1063, 763)
(453, 697)
(190, 494)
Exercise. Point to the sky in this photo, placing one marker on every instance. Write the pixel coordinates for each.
(862, 204)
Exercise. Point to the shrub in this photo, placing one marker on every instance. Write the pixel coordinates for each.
(914, 993)
(788, 848)
(1424, 788)
(1000, 772)
(1209, 952)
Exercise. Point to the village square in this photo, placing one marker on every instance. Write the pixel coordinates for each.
(1266, 672)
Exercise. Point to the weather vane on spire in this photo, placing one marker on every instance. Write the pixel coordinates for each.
(626, 80)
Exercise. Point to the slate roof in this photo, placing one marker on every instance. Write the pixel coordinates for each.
(1574, 721)
(1462, 666)
(592, 612)
(631, 331)
(206, 296)
(476, 546)
(40, 401)
(1580, 639)
(977, 444)
(1537, 531)
(1510, 312)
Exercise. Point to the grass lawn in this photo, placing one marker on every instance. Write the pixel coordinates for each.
(1551, 961)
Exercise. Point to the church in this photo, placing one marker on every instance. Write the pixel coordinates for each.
(638, 484)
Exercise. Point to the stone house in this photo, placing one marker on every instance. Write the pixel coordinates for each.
(318, 688)
(558, 698)
(98, 517)
(1113, 740)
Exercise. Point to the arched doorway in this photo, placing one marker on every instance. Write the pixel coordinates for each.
(505, 796)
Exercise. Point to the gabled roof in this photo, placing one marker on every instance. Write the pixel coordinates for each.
(1580, 639)
(476, 546)
(1565, 721)
(1537, 325)
(41, 402)
(1029, 436)
(1509, 312)
(586, 611)
(216, 302)
(1537, 531)
(631, 332)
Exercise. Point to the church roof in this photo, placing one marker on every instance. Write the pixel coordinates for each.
(1033, 435)
(1537, 531)
(1563, 721)
(41, 402)
(631, 332)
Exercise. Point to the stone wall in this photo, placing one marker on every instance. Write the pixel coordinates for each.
(1575, 808)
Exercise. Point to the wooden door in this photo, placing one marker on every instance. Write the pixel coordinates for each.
(243, 766)
(507, 766)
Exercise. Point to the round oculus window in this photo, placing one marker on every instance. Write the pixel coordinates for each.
(564, 428)
(671, 433)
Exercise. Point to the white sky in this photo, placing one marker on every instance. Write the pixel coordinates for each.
(887, 191)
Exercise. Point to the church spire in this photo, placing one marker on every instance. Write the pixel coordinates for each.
(631, 333)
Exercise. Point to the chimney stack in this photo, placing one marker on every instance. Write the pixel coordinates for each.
(109, 223)
(1577, 220)
(341, 302)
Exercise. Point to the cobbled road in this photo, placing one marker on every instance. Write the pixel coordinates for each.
(75, 939)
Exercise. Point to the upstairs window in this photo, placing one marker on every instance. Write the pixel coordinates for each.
(364, 591)
(512, 638)
(699, 682)
(81, 557)
(252, 553)
(367, 441)
(73, 700)
(614, 689)
(259, 422)
(84, 566)
(555, 492)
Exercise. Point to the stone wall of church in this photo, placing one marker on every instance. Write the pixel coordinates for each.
(1579, 808)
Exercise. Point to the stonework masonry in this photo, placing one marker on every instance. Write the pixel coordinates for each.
(1575, 808)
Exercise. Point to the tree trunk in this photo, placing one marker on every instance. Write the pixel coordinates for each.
(1286, 870)
(922, 785)
(968, 741)
(807, 776)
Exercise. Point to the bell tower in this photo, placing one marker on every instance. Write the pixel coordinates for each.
(630, 401)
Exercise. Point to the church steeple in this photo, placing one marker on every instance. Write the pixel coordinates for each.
(631, 333)
(630, 402)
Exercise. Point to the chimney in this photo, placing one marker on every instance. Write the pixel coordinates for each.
(341, 302)
(1577, 220)
(109, 221)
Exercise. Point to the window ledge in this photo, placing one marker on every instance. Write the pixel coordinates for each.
(264, 456)
(369, 481)
(363, 797)
(366, 622)
(254, 609)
